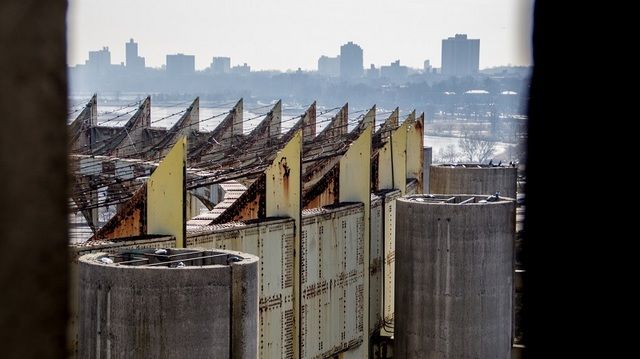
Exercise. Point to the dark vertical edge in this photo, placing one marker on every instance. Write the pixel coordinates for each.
(297, 250)
(33, 143)
(244, 310)
(232, 311)
(184, 196)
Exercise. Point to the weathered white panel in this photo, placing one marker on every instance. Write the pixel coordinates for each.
(332, 276)
(375, 266)
(390, 255)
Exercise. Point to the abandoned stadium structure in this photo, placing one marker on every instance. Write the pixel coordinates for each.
(317, 209)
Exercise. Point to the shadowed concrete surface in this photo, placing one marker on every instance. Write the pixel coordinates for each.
(454, 268)
(33, 145)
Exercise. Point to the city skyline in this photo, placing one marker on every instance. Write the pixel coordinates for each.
(326, 65)
(261, 33)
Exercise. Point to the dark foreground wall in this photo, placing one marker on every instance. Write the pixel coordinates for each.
(33, 231)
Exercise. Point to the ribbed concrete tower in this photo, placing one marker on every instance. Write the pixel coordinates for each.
(473, 178)
(454, 265)
(168, 303)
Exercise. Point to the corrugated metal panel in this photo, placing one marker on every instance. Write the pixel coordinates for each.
(332, 276)
(124, 169)
(90, 166)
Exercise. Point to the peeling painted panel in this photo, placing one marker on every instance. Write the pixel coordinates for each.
(324, 192)
(390, 255)
(130, 220)
(283, 180)
(332, 277)
(355, 177)
(283, 198)
(249, 205)
(375, 267)
(166, 196)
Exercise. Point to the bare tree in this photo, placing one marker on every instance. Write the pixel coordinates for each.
(477, 149)
(448, 155)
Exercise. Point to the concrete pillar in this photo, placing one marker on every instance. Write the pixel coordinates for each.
(454, 270)
(244, 310)
(33, 161)
(208, 308)
(473, 178)
(428, 159)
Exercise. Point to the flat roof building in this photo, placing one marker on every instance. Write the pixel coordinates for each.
(351, 64)
(181, 64)
(460, 56)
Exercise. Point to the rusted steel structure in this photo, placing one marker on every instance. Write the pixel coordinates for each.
(317, 209)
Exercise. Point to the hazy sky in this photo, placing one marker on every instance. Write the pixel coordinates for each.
(287, 34)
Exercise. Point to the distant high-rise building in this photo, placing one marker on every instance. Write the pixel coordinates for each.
(329, 66)
(372, 72)
(181, 64)
(133, 61)
(241, 69)
(427, 67)
(221, 65)
(351, 64)
(460, 56)
(99, 61)
(394, 72)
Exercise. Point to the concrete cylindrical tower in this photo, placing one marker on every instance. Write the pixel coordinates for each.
(168, 303)
(454, 265)
(473, 178)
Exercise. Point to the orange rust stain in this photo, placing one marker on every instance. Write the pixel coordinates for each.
(130, 226)
(249, 211)
(327, 197)
(129, 221)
